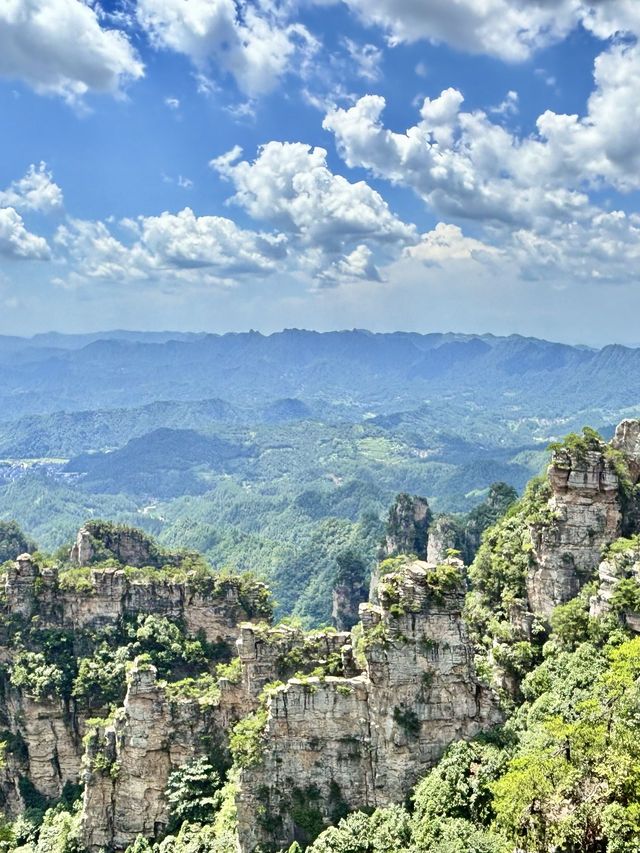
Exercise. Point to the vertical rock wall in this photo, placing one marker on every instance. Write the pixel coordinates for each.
(333, 744)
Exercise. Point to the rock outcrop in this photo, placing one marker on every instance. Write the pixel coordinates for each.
(72, 612)
(215, 606)
(444, 535)
(50, 741)
(349, 590)
(333, 744)
(619, 584)
(586, 507)
(340, 720)
(101, 540)
(128, 763)
(277, 654)
(627, 441)
(407, 527)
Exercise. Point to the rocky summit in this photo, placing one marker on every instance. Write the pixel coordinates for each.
(147, 700)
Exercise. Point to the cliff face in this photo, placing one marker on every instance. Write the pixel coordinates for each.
(587, 516)
(52, 619)
(333, 744)
(127, 763)
(407, 527)
(108, 595)
(100, 540)
(318, 723)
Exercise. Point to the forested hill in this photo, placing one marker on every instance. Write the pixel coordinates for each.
(279, 453)
(374, 371)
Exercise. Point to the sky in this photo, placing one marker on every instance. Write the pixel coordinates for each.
(221, 165)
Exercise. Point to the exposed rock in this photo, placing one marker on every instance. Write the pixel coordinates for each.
(128, 763)
(627, 441)
(20, 586)
(587, 516)
(444, 535)
(407, 527)
(100, 540)
(51, 740)
(214, 606)
(276, 654)
(344, 743)
(349, 590)
(46, 735)
(621, 564)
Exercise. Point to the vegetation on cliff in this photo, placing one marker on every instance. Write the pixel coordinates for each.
(561, 772)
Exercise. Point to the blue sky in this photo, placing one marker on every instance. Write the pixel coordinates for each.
(390, 164)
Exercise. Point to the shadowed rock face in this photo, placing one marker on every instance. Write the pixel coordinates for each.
(97, 540)
(407, 527)
(128, 763)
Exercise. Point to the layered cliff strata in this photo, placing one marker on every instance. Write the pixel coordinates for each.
(333, 744)
(55, 621)
(128, 762)
(585, 509)
(103, 596)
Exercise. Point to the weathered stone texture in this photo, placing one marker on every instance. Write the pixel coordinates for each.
(365, 741)
(587, 516)
(128, 763)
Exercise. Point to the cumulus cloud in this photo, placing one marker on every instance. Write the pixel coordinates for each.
(170, 247)
(447, 243)
(509, 29)
(607, 18)
(251, 41)
(290, 186)
(532, 197)
(358, 265)
(18, 243)
(337, 225)
(465, 165)
(60, 47)
(35, 191)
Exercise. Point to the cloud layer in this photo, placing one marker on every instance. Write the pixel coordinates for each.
(61, 47)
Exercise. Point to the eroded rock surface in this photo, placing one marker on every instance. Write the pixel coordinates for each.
(333, 744)
(587, 516)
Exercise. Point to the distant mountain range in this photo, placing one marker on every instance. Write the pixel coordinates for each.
(372, 372)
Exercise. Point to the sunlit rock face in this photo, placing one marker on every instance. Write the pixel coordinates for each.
(587, 509)
(333, 744)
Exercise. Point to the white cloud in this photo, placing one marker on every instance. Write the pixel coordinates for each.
(606, 18)
(290, 186)
(358, 265)
(18, 243)
(185, 241)
(172, 103)
(509, 29)
(335, 225)
(530, 196)
(465, 165)
(35, 191)
(365, 57)
(171, 248)
(60, 47)
(251, 41)
(509, 106)
(447, 243)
